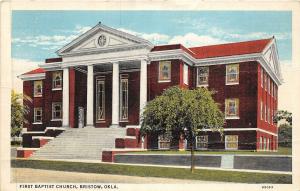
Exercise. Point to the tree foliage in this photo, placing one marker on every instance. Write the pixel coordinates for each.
(283, 115)
(182, 112)
(285, 135)
(18, 110)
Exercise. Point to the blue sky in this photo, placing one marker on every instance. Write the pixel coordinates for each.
(36, 35)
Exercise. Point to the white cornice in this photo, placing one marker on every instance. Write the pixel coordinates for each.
(28, 77)
(51, 66)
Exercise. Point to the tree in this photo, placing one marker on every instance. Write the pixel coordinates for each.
(285, 135)
(283, 115)
(182, 112)
(18, 110)
(285, 129)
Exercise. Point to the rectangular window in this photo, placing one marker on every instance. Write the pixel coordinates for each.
(202, 142)
(232, 108)
(231, 142)
(265, 144)
(268, 144)
(262, 78)
(57, 110)
(202, 76)
(265, 80)
(185, 74)
(38, 88)
(261, 110)
(265, 112)
(232, 74)
(164, 73)
(38, 113)
(124, 98)
(268, 115)
(261, 143)
(164, 141)
(100, 99)
(57, 80)
(269, 85)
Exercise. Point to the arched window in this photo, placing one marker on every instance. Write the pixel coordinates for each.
(38, 88)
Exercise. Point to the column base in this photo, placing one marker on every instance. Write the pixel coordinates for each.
(114, 126)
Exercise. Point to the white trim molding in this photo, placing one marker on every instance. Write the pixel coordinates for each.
(244, 129)
(29, 77)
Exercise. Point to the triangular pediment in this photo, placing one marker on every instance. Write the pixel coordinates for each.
(102, 38)
(270, 54)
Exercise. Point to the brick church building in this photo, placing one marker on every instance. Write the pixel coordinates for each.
(104, 78)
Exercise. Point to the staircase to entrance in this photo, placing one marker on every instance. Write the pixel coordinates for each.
(83, 143)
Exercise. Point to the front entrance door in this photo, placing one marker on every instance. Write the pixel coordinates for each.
(80, 117)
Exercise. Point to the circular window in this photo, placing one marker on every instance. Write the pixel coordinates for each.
(102, 40)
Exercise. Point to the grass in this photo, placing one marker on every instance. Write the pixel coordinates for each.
(281, 151)
(146, 171)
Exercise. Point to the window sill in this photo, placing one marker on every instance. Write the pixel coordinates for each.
(37, 123)
(38, 96)
(163, 81)
(202, 86)
(232, 117)
(231, 84)
(56, 89)
(56, 119)
(123, 121)
(101, 121)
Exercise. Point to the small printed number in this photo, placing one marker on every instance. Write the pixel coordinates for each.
(267, 187)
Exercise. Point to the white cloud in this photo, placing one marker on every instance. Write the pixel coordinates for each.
(192, 39)
(20, 66)
(154, 38)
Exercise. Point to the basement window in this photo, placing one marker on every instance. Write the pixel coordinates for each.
(202, 142)
(231, 142)
(164, 141)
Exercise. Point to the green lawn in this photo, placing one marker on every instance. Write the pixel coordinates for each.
(146, 171)
(281, 151)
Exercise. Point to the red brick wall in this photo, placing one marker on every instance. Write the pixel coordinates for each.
(154, 87)
(50, 97)
(245, 91)
(28, 91)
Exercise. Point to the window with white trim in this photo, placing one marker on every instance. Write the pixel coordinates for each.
(164, 141)
(202, 76)
(262, 78)
(124, 98)
(185, 74)
(100, 99)
(265, 80)
(164, 71)
(261, 143)
(202, 142)
(38, 115)
(265, 112)
(265, 143)
(268, 144)
(56, 110)
(232, 74)
(261, 110)
(231, 142)
(269, 115)
(57, 80)
(232, 108)
(38, 88)
(269, 81)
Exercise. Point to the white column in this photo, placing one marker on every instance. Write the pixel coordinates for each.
(115, 95)
(143, 86)
(65, 122)
(90, 97)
